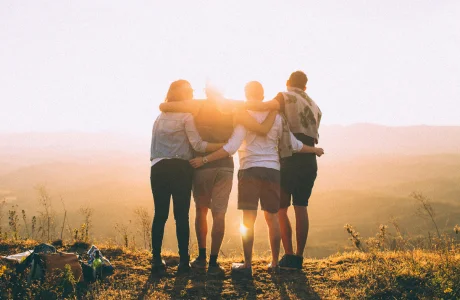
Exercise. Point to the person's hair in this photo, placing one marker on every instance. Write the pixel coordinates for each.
(298, 79)
(176, 92)
(254, 90)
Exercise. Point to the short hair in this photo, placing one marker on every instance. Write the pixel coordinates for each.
(174, 92)
(298, 79)
(254, 89)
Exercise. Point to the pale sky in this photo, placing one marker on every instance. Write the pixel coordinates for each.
(106, 65)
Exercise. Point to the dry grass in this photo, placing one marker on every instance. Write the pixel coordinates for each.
(352, 275)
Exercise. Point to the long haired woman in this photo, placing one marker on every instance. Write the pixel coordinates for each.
(174, 137)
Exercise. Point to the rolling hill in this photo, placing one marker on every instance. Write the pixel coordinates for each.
(365, 178)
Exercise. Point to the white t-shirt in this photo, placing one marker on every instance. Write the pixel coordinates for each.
(256, 150)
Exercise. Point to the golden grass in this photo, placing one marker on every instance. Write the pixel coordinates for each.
(352, 275)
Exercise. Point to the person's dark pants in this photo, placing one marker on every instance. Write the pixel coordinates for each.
(171, 177)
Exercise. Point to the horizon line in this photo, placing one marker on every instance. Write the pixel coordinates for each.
(129, 132)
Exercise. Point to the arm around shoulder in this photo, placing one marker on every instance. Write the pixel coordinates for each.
(188, 106)
(244, 118)
(261, 106)
(228, 149)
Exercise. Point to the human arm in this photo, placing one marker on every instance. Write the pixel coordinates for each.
(224, 105)
(261, 106)
(195, 139)
(199, 160)
(187, 106)
(299, 147)
(213, 147)
(228, 149)
(244, 118)
(309, 149)
(276, 103)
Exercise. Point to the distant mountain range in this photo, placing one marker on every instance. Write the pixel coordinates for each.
(370, 139)
(338, 141)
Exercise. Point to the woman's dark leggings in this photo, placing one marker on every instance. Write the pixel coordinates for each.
(171, 177)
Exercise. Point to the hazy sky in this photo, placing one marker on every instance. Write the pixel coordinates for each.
(106, 65)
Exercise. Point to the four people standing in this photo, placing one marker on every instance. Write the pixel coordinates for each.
(264, 137)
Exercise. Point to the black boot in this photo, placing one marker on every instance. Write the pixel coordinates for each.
(184, 264)
(158, 266)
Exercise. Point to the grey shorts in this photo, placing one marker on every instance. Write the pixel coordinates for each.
(259, 183)
(212, 187)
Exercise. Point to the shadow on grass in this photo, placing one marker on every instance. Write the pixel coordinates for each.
(244, 287)
(150, 285)
(294, 283)
(179, 290)
(214, 287)
(197, 285)
(193, 285)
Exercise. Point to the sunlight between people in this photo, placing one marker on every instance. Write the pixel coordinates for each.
(243, 229)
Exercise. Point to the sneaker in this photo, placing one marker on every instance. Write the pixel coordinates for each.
(158, 267)
(240, 269)
(288, 262)
(273, 269)
(216, 270)
(298, 262)
(199, 263)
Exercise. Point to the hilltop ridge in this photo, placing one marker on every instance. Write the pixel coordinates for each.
(352, 275)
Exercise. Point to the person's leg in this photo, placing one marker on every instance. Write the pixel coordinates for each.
(218, 230)
(219, 203)
(161, 197)
(306, 176)
(181, 194)
(217, 235)
(286, 230)
(162, 201)
(274, 234)
(181, 215)
(249, 186)
(270, 202)
(302, 227)
(286, 181)
(300, 199)
(201, 229)
(202, 188)
(249, 218)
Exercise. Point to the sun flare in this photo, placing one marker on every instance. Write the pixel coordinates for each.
(243, 229)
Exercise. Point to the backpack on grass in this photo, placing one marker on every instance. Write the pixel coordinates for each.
(43, 265)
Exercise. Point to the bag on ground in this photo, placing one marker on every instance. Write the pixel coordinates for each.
(44, 263)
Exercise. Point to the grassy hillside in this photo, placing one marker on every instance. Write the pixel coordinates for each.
(366, 193)
(351, 275)
(365, 179)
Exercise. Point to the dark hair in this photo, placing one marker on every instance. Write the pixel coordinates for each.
(298, 79)
(254, 89)
(175, 93)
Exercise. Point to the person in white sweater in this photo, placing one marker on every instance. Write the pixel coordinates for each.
(258, 177)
